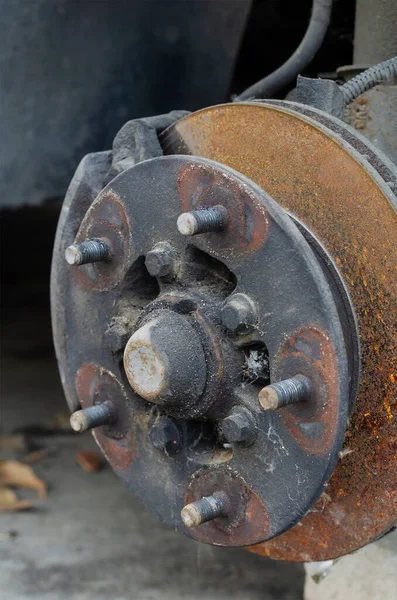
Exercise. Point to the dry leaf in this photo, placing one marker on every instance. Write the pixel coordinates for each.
(10, 501)
(35, 456)
(8, 498)
(14, 474)
(89, 461)
(15, 441)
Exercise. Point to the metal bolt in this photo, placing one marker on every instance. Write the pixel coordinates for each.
(239, 313)
(205, 509)
(204, 220)
(165, 436)
(94, 416)
(284, 392)
(160, 261)
(239, 426)
(94, 250)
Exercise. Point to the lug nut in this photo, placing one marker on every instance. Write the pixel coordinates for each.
(94, 250)
(239, 313)
(94, 416)
(204, 220)
(282, 393)
(160, 261)
(239, 426)
(166, 436)
(205, 509)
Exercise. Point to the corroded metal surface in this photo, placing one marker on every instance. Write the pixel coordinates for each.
(248, 221)
(333, 189)
(291, 295)
(96, 385)
(374, 114)
(106, 219)
(247, 517)
(313, 423)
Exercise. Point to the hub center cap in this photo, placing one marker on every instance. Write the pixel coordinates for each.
(164, 361)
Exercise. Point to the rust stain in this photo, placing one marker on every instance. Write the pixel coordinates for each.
(93, 381)
(317, 179)
(247, 521)
(105, 218)
(200, 186)
(119, 453)
(310, 352)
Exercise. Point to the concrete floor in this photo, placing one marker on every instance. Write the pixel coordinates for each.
(90, 539)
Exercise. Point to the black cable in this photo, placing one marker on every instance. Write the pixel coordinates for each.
(369, 78)
(303, 55)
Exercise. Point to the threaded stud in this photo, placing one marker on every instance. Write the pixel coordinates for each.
(283, 393)
(93, 416)
(204, 220)
(94, 250)
(204, 510)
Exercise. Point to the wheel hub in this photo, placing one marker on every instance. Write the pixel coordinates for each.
(212, 340)
(218, 327)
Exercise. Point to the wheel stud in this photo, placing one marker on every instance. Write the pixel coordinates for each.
(205, 509)
(94, 250)
(204, 220)
(93, 416)
(284, 392)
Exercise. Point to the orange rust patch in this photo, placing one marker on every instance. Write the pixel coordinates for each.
(251, 521)
(92, 381)
(318, 354)
(199, 186)
(314, 176)
(106, 218)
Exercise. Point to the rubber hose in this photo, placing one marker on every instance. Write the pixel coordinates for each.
(303, 55)
(369, 78)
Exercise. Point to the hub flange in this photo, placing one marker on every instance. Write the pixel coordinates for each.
(241, 305)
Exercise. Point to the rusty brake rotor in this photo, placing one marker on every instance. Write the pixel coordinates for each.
(170, 340)
(341, 189)
(221, 314)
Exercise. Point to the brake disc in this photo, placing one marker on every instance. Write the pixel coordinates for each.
(211, 317)
(336, 183)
